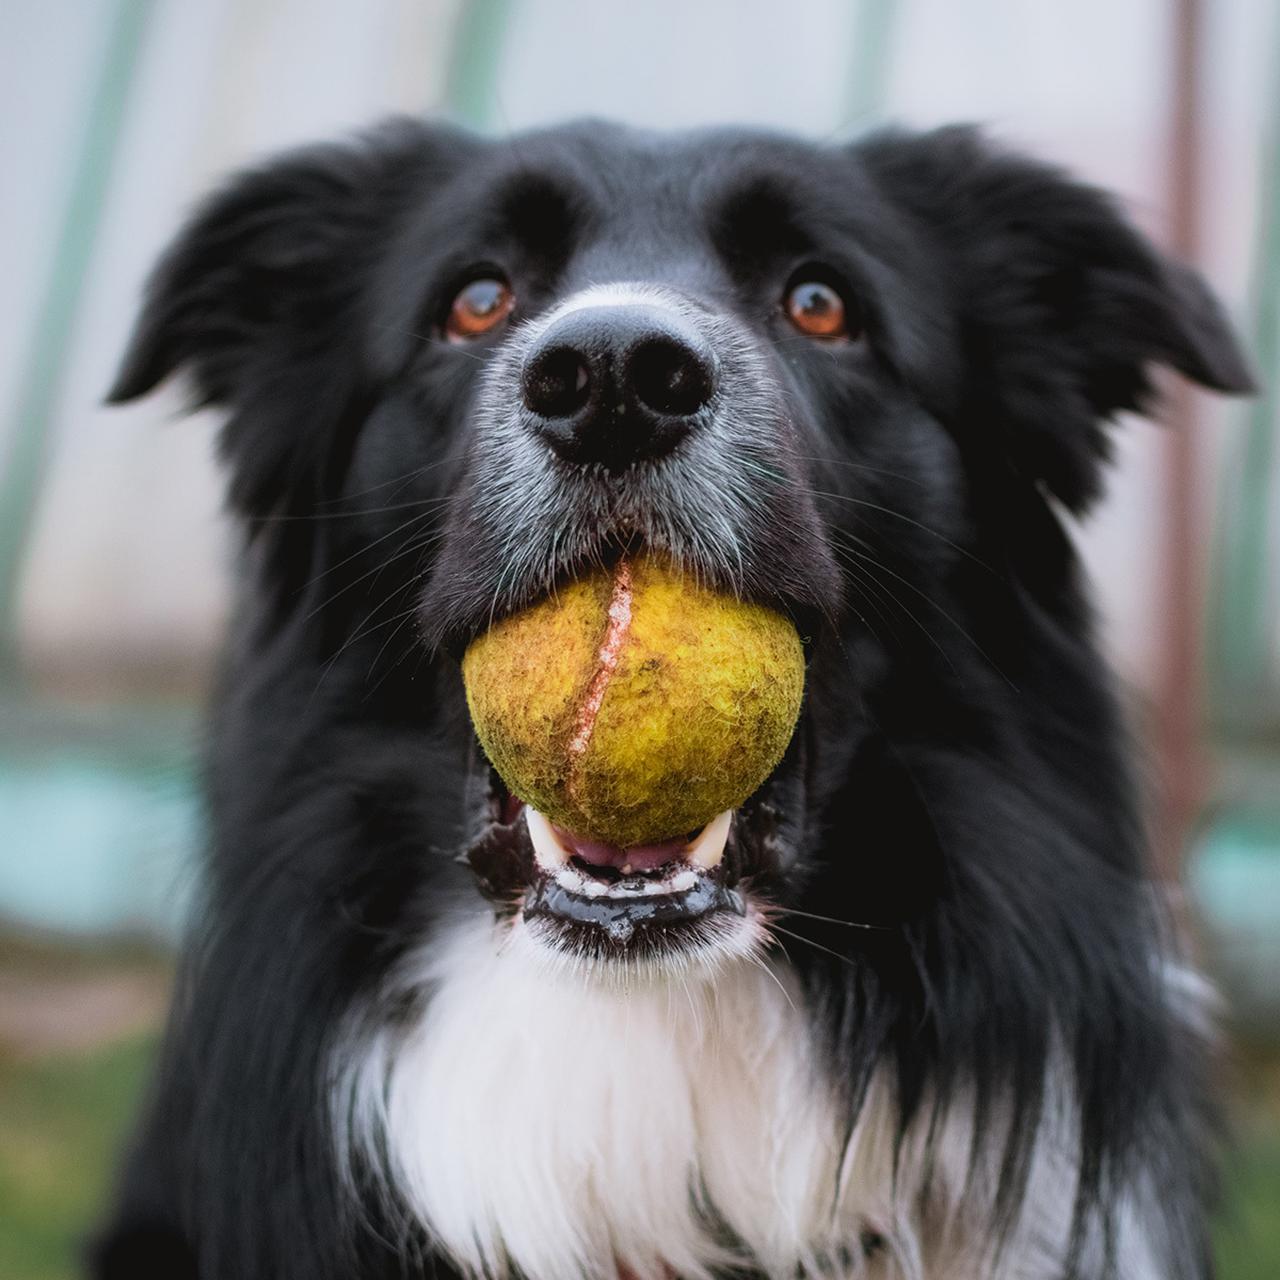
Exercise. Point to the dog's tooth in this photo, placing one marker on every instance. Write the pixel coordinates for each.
(683, 882)
(547, 849)
(707, 848)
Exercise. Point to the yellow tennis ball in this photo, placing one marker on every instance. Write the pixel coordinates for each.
(634, 705)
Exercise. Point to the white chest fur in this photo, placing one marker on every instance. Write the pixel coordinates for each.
(568, 1125)
(539, 1118)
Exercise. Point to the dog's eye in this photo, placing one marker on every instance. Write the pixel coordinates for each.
(479, 307)
(817, 310)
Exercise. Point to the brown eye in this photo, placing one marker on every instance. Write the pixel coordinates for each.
(479, 307)
(817, 310)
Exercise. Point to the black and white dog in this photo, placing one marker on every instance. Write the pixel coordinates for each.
(936, 1029)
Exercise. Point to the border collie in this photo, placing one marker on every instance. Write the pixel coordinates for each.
(935, 1026)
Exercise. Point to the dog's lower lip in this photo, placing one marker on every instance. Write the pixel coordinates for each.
(621, 915)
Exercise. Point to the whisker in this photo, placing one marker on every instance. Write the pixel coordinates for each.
(348, 515)
(410, 545)
(763, 966)
(848, 924)
(431, 340)
(817, 946)
(901, 515)
(386, 484)
(862, 586)
(856, 466)
(845, 554)
(405, 618)
(368, 628)
(929, 600)
(378, 569)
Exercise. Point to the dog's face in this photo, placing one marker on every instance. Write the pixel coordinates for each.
(851, 382)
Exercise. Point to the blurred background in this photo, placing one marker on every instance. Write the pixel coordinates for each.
(116, 114)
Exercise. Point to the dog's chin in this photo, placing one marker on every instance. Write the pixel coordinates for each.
(677, 906)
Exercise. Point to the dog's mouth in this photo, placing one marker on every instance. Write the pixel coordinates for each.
(598, 901)
(620, 892)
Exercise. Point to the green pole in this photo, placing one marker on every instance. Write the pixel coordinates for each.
(470, 92)
(872, 52)
(1245, 594)
(28, 450)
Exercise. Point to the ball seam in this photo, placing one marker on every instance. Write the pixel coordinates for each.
(608, 654)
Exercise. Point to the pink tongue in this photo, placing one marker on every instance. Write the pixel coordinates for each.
(640, 857)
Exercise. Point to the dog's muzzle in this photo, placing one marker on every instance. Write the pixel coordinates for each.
(630, 419)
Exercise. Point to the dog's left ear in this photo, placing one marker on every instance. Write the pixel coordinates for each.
(260, 296)
(1064, 307)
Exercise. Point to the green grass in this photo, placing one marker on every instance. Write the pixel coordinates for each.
(62, 1121)
(61, 1124)
(1249, 1233)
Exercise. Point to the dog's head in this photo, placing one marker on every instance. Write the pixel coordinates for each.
(856, 383)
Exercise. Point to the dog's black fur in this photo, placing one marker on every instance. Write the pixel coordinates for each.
(960, 775)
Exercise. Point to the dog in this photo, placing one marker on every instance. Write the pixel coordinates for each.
(923, 1016)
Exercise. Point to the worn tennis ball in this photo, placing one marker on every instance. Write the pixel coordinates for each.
(633, 705)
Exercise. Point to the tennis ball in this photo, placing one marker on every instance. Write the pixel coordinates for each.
(633, 705)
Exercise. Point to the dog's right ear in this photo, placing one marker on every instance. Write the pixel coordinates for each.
(271, 257)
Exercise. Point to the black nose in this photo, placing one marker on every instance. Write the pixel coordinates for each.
(617, 384)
